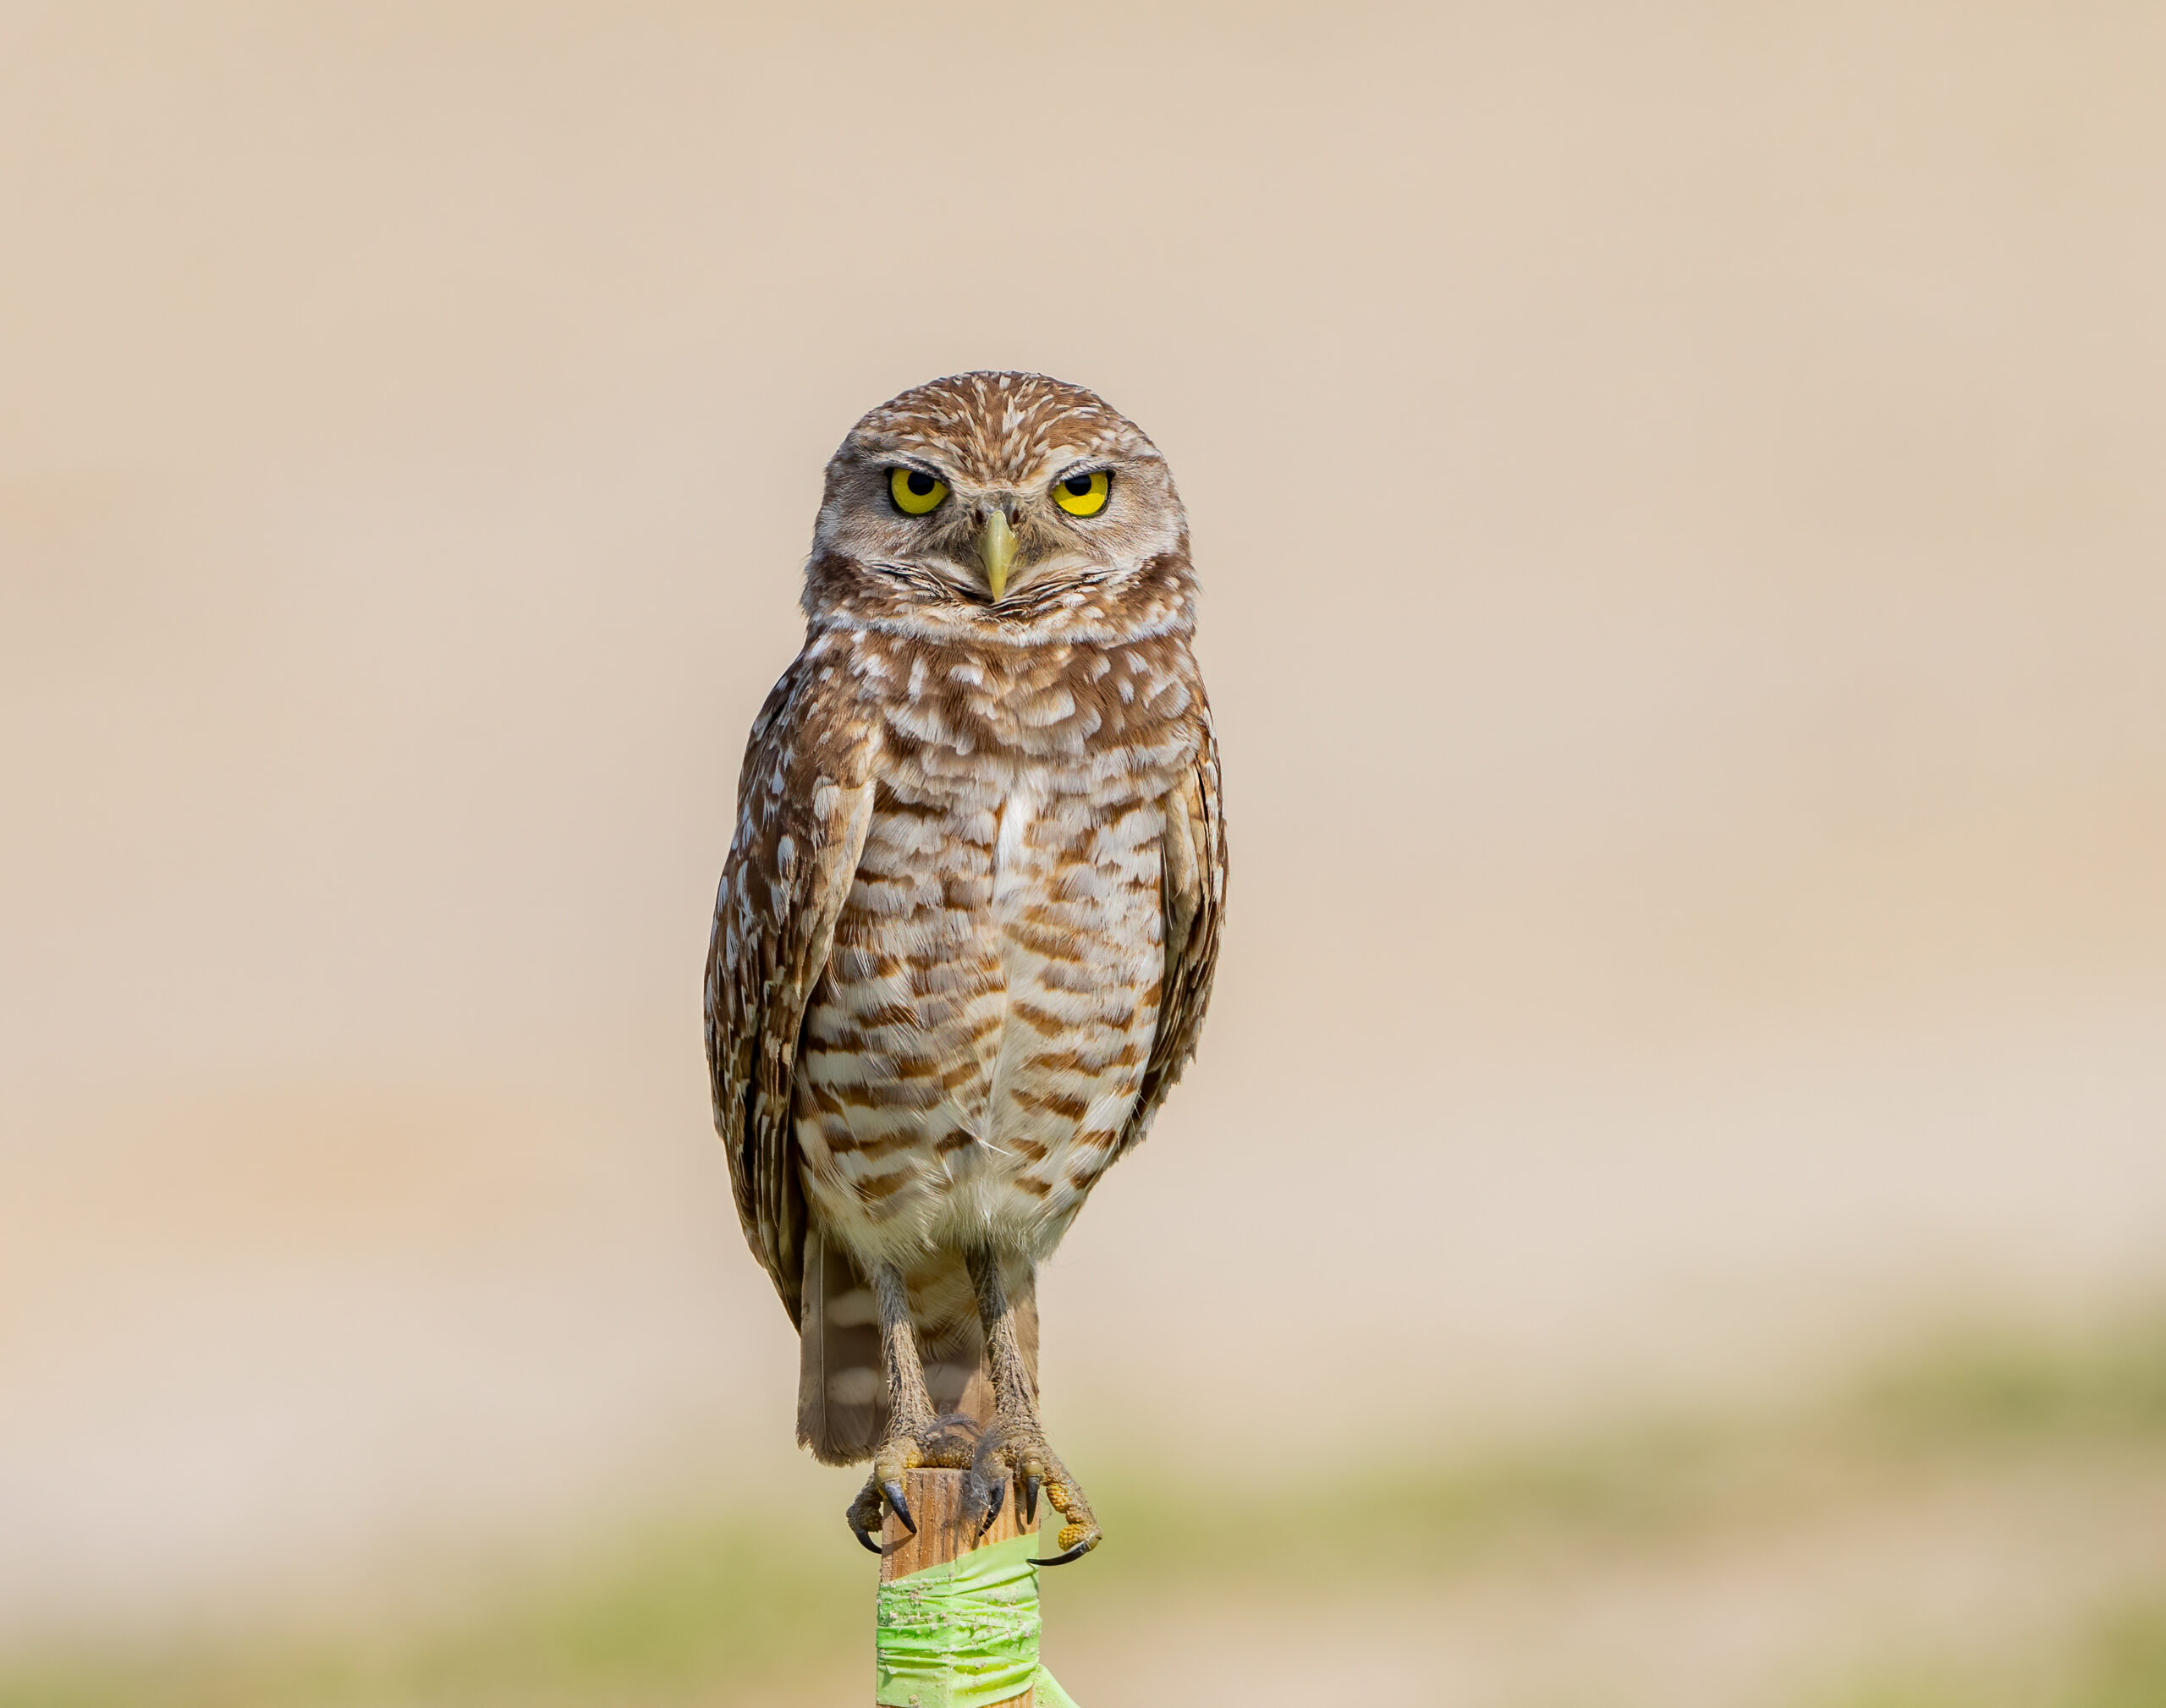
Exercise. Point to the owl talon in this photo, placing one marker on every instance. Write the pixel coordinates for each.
(1014, 1448)
(893, 1491)
(996, 1498)
(864, 1516)
(882, 1492)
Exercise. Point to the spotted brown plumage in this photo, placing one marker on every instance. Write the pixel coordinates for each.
(967, 926)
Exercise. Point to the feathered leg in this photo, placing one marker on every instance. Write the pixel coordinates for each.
(915, 1435)
(1013, 1446)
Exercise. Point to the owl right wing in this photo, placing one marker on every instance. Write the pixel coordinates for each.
(804, 801)
(1194, 887)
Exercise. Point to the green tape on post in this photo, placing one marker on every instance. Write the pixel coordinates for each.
(965, 1634)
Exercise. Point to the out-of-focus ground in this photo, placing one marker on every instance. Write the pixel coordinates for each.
(1671, 1203)
(1981, 1523)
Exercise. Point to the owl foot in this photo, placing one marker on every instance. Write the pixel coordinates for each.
(1013, 1450)
(946, 1441)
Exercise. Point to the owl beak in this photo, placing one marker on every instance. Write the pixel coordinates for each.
(996, 547)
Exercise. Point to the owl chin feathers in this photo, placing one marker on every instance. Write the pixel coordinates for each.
(1096, 606)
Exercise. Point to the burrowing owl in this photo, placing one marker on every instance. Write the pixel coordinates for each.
(968, 921)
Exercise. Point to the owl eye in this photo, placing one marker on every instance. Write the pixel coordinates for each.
(915, 492)
(1083, 495)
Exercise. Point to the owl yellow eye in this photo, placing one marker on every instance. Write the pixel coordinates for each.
(1083, 495)
(915, 492)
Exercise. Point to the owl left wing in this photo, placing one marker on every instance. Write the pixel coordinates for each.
(804, 801)
(1194, 890)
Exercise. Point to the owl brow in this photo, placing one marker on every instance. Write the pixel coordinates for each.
(905, 459)
(1086, 466)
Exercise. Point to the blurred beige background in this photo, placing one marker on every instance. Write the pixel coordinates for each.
(1679, 493)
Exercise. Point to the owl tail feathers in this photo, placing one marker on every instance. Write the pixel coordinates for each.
(842, 1381)
(842, 1392)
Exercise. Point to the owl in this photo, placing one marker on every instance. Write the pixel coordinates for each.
(967, 924)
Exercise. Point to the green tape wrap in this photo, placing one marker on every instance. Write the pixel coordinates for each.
(965, 1634)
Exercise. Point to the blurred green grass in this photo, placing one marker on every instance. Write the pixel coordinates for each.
(722, 1607)
(2119, 1662)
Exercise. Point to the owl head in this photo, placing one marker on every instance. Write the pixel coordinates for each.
(994, 502)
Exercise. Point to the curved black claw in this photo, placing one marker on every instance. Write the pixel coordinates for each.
(994, 1501)
(858, 1530)
(1031, 1486)
(1075, 1553)
(893, 1491)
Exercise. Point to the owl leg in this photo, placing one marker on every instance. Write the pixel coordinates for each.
(916, 1435)
(1013, 1446)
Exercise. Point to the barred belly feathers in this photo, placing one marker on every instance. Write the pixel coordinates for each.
(967, 924)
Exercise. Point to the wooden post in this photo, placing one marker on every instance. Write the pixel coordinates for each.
(943, 1534)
